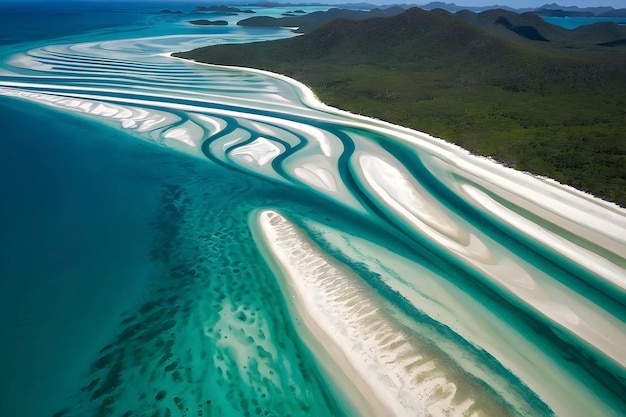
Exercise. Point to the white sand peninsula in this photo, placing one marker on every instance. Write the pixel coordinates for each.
(383, 367)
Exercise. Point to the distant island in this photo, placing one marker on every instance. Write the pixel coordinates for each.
(561, 11)
(222, 9)
(168, 11)
(204, 22)
(506, 85)
(216, 10)
(548, 10)
(552, 9)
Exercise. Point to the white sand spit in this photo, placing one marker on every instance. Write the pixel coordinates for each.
(392, 371)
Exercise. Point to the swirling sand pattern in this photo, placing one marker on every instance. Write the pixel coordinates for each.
(552, 258)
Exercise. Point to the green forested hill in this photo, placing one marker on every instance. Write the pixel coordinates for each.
(511, 86)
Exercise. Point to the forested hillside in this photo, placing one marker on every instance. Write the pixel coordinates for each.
(530, 94)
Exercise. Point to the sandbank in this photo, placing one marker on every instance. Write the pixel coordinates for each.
(389, 370)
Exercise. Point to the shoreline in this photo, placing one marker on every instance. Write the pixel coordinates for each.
(598, 225)
(316, 103)
(310, 98)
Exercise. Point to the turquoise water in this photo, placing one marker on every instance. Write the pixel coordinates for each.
(138, 277)
(574, 22)
(66, 273)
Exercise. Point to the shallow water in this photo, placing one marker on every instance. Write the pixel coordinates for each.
(138, 277)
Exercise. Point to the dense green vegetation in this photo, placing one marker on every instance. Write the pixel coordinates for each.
(532, 95)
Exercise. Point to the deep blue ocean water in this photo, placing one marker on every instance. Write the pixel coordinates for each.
(76, 230)
(47, 20)
(132, 277)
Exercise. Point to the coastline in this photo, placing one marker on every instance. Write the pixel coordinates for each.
(542, 125)
(312, 100)
(547, 202)
(558, 206)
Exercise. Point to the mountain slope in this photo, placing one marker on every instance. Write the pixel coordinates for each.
(381, 41)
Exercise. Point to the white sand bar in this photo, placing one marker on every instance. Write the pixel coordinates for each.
(385, 369)
(415, 211)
